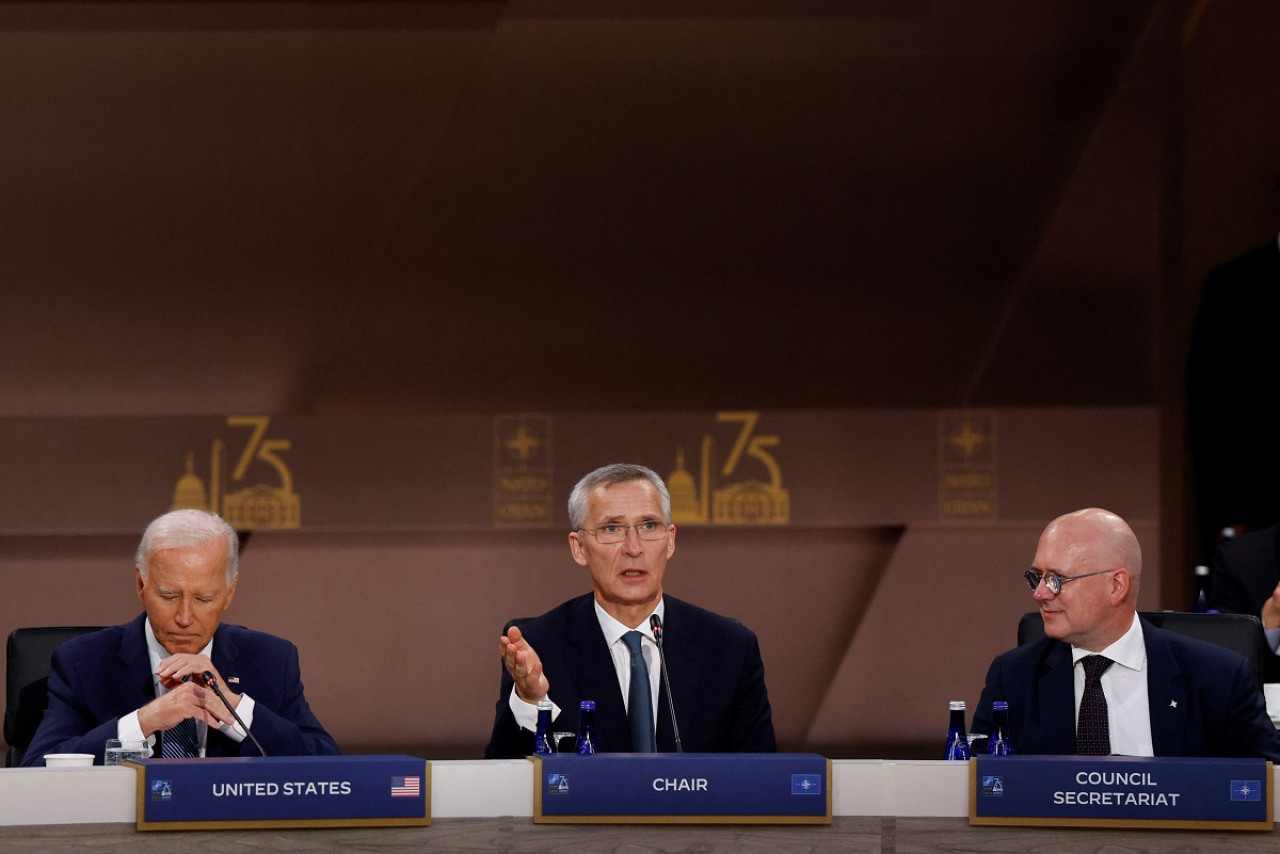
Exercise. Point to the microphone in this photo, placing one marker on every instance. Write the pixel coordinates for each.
(655, 623)
(211, 681)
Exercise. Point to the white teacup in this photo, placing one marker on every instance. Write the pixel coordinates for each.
(67, 760)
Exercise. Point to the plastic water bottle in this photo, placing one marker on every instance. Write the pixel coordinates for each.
(542, 735)
(999, 742)
(587, 728)
(958, 733)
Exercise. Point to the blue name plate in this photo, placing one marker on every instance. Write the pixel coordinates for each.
(683, 787)
(293, 791)
(1121, 791)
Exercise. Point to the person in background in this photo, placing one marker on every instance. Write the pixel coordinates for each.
(1245, 579)
(1102, 680)
(1232, 358)
(620, 517)
(145, 680)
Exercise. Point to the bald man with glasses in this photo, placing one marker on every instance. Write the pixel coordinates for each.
(1105, 682)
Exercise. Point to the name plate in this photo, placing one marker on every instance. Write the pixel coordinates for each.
(776, 788)
(1118, 791)
(282, 791)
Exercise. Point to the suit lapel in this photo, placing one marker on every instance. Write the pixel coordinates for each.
(590, 666)
(1055, 688)
(680, 647)
(1166, 695)
(226, 657)
(137, 687)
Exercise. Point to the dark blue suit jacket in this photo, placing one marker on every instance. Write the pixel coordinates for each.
(717, 681)
(98, 678)
(1204, 699)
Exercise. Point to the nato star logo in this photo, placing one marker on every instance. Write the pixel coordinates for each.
(1246, 790)
(806, 784)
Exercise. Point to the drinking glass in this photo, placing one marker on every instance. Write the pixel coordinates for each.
(125, 751)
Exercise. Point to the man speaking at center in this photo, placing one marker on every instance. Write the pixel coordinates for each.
(601, 646)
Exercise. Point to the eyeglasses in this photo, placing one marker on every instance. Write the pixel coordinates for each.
(649, 529)
(1053, 581)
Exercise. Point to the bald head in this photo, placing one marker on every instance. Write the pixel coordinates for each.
(1099, 539)
(1098, 556)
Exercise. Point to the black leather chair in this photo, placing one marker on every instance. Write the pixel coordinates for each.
(30, 652)
(1240, 633)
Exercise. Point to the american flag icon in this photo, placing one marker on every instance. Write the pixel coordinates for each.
(406, 787)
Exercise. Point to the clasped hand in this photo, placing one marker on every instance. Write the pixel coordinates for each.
(186, 696)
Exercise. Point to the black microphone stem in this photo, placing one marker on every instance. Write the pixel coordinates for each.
(211, 682)
(655, 622)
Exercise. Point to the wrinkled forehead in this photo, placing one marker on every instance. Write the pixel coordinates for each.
(626, 500)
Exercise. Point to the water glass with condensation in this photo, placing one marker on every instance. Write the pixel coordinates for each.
(125, 751)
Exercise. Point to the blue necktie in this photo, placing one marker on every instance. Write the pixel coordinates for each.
(180, 742)
(639, 699)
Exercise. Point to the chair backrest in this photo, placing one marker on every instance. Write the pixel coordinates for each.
(1241, 633)
(29, 653)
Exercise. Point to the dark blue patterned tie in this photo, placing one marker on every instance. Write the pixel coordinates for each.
(639, 698)
(1092, 735)
(180, 742)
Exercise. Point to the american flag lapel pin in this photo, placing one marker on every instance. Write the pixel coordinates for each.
(233, 680)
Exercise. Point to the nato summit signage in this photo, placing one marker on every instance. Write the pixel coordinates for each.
(773, 788)
(1119, 791)
(282, 791)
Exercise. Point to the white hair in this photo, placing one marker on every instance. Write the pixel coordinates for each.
(185, 529)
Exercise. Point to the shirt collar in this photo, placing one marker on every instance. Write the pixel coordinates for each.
(614, 630)
(1129, 650)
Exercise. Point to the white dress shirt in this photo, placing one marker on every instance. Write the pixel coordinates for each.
(526, 714)
(1125, 687)
(128, 728)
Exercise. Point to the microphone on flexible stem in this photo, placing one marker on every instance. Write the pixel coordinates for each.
(655, 623)
(211, 681)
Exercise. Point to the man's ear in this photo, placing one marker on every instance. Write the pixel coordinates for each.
(1121, 584)
(575, 548)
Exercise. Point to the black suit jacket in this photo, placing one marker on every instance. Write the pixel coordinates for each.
(98, 678)
(1204, 699)
(717, 682)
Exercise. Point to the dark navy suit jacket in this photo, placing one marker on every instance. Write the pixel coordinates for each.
(1204, 699)
(98, 678)
(717, 682)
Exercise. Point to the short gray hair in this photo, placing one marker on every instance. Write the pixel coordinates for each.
(608, 476)
(186, 529)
